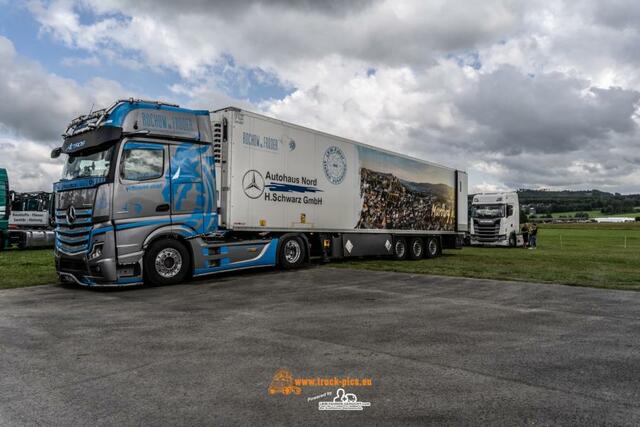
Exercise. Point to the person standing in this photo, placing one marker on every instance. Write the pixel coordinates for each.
(533, 236)
(525, 235)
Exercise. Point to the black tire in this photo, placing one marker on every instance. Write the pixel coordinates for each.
(512, 241)
(400, 249)
(433, 247)
(292, 253)
(166, 262)
(416, 248)
(22, 244)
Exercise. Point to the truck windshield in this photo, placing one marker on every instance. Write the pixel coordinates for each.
(487, 211)
(88, 165)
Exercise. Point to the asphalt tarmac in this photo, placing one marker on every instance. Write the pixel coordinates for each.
(438, 351)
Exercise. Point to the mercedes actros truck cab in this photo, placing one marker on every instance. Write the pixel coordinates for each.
(151, 192)
(139, 177)
(495, 219)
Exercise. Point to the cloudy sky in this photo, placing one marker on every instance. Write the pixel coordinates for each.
(533, 94)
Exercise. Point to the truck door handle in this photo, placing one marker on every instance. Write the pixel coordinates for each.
(162, 208)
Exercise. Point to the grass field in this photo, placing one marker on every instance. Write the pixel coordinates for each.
(592, 214)
(574, 254)
(26, 268)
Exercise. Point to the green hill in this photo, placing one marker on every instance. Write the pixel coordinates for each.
(567, 202)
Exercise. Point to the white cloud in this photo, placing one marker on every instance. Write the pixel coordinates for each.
(41, 103)
(88, 61)
(487, 187)
(277, 35)
(520, 94)
(29, 164)
(36, 109)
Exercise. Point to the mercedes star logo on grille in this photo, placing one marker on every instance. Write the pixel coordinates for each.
(71, 214)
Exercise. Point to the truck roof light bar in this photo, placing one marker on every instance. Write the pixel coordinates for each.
(93, 120)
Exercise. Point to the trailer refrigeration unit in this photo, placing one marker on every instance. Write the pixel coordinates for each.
(154, 193)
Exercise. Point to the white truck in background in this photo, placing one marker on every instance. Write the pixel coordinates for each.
(494, 219)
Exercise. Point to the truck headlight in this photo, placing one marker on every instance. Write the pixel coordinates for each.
(96, 252)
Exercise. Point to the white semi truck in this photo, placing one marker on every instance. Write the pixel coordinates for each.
(494, 219)
(152, 192)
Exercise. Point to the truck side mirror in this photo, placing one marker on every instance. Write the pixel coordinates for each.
(509, 210)
(55, 153)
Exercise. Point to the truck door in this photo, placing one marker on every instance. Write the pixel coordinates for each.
(142, 192)
(187, 188)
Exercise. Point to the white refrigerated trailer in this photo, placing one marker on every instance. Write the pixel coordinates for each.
(165, 192)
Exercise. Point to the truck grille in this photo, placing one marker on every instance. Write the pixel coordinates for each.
(485, 231)
(72, 265)
(73, 237)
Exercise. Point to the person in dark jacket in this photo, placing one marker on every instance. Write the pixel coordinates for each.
(533, 236)
(525, 235)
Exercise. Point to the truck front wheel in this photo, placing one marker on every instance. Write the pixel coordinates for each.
(166, 262)
(292, 252)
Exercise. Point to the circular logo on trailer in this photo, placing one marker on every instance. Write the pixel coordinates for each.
(334, 164)
(253, 184)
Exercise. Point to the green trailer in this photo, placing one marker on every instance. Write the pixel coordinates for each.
(5, 208)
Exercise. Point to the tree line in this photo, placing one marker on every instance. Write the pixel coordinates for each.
(548, 202)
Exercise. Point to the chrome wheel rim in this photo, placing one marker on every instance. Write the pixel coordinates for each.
(292, 251)
(433, 247)
(400, 249)
(168, 262)
(417, 248)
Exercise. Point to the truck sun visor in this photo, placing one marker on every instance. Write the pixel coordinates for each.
(92, 139)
